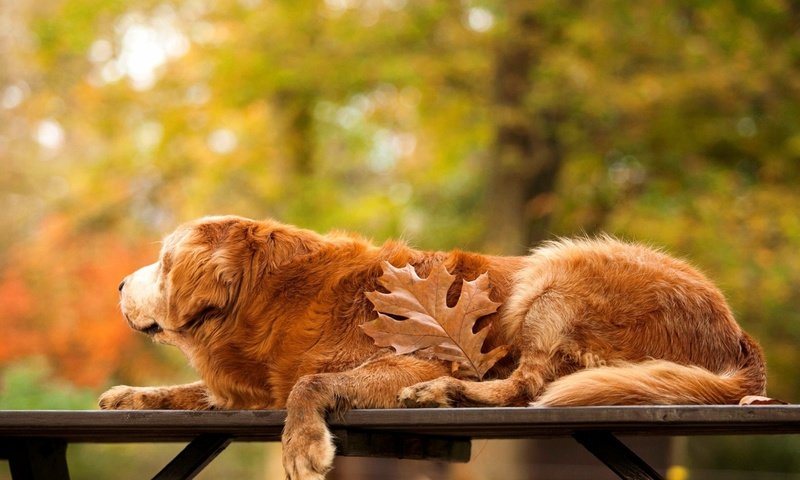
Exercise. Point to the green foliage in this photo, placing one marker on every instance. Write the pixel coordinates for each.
(766, 454)
(30, 385)
(91, 461)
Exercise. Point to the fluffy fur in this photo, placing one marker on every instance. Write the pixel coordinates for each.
(269, 315)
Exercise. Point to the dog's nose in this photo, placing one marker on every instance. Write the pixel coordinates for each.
(121, 285)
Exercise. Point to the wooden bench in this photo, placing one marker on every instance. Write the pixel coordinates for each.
(35, 442)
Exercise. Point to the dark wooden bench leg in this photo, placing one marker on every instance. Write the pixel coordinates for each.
(36, 459)
(619, 458)
(194, 458)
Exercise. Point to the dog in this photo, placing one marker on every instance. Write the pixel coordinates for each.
(269, 314)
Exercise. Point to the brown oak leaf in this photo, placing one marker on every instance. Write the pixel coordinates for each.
(427, 323)
(760, 400)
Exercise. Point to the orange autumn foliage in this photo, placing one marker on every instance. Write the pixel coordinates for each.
(58, 299)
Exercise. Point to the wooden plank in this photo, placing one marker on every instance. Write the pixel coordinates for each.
(36, 458)
(549, 422)
(131, 426)
(164, 426)
(194, 458)
(617, 456)
(364, 443)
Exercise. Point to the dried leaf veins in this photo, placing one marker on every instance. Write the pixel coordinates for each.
(428, 323)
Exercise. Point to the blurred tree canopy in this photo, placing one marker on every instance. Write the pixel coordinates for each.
(479, 124)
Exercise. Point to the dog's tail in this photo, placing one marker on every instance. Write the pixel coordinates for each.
(660, 382)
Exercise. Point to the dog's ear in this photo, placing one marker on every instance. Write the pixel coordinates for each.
(208, 264)
(277, 245)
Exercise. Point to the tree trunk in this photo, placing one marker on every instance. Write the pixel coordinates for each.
(525, 159)
(296, 108)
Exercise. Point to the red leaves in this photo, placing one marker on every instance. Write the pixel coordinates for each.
(428, 324)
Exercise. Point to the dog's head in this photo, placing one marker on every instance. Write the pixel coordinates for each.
(206, 271)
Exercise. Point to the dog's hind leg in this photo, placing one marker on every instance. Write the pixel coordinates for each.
(545, 353)
(535, 371)
(522, 386)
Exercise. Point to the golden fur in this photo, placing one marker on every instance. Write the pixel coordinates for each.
(269, 315)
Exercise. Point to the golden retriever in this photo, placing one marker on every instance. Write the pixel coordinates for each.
(269, 314)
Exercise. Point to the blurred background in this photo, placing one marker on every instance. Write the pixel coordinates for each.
(478, 124)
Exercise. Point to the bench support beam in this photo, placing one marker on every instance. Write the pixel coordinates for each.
(194, 458)
(616, 455)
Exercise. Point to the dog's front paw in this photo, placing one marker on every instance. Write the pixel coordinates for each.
(440, 392)
(308, 449)
(117, 398)
(123, 397)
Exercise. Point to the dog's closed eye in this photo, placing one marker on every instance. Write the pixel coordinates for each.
(153, 329)
(204, 314)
